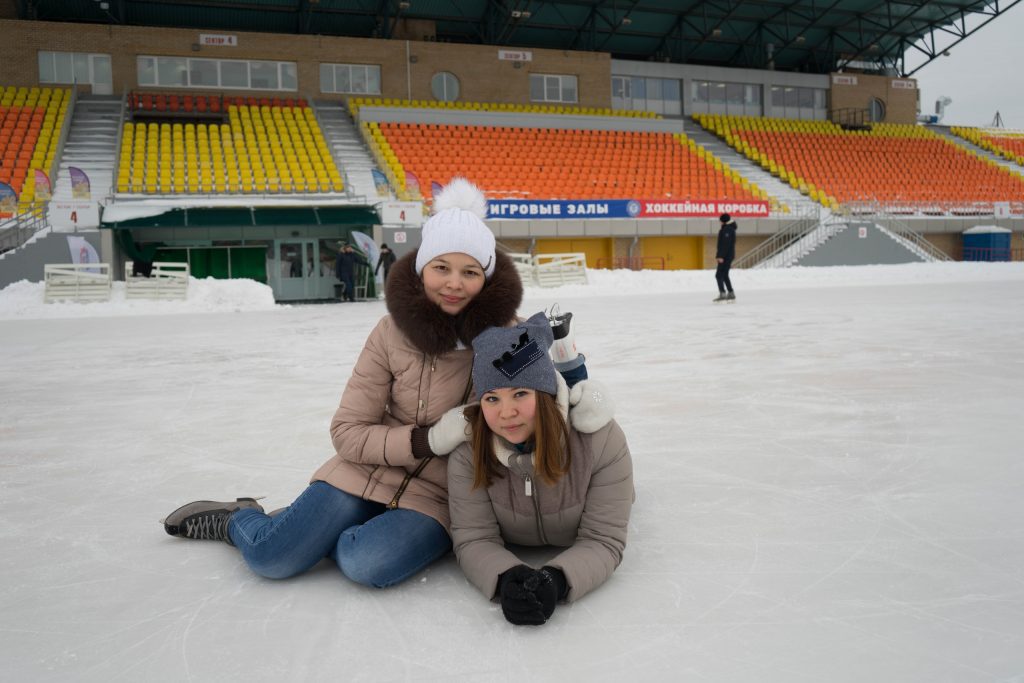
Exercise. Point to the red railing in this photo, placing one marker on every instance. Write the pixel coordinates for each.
(632, 263)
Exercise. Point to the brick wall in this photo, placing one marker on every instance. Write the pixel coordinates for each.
(406, 67)
(900, 103)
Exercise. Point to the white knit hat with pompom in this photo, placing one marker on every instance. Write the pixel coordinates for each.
(457, 226)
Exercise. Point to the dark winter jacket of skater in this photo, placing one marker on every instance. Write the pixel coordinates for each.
(345, 265)
(415, 366)
(726, 242)
(586, 510)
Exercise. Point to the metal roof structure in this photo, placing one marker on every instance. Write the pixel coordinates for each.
(813, 36)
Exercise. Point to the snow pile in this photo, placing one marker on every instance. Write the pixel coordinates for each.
(628, 282)
(24, 299)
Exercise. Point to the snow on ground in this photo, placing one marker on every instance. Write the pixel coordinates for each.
(827, 472)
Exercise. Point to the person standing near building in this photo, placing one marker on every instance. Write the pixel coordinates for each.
(345, 270)
(387, 257)
(724, 254)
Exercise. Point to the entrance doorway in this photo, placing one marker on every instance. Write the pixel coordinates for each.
(294, 272)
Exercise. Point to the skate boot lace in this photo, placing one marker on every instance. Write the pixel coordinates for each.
(209, 527)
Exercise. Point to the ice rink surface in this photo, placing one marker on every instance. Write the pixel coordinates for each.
(829, 476)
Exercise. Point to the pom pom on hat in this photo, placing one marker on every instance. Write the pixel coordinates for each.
(457, 226)
(515, 357)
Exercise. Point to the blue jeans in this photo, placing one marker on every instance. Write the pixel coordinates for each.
(372, 545)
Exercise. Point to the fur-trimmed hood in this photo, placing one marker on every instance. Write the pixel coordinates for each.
(433, 331)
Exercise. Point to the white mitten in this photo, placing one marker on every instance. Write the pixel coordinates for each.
(448, 432)
(591, 406)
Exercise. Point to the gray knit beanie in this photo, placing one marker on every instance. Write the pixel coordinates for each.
(505, 357)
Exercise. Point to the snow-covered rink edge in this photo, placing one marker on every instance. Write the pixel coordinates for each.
(828, 478)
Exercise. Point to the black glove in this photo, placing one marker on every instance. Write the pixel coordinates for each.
(551, 587)
(518, 602)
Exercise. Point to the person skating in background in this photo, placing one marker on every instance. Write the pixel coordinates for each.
(379, 507)
(386, 259)
(724, 254)
(345, 270)
(531, 477)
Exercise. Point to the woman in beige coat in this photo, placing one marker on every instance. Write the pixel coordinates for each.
(531, 477)
(379, 507)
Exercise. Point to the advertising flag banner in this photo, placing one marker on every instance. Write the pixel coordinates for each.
(82, 251)
(44, 192)
(79, 183)
(8, 199)
(435, 187)
(412, 184)
(372, 251)
(380, 182)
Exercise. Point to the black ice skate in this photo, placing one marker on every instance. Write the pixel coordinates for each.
(721, 297)
(206, 519)
(730, 298)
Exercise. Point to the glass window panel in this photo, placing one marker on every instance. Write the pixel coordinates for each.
(146, 67)
(653, 88)
(343, 78)
(445, 87)
(171, 71)
(234, 74)
(551, 90)
(101, 72)
(203, 72)
(327, 78)
(568, 89)
(792, 98)
(618, 85)
(46, 73)
(806, 97)
(717, 91)
(289, 79)
(752, 94)
(358, 84)
(536, 88)
(263, 75)
(700, 91)
(63, 68)
(638, 89)
(820, 98)
(673, 107)
(734, 93)
(373, 80)
(670, 90)
(82, 72)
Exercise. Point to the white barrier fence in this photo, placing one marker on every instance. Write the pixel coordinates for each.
(166, 281)
(76, 282)
(551, 270)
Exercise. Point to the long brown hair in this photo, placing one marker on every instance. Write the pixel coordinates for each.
(552, 451)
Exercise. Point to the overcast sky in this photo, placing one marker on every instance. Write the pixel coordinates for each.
(982, 75)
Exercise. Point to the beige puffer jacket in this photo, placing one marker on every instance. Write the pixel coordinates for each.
(409, 374)
(587, 512)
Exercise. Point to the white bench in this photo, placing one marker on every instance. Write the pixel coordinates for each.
(166, 281)
(76, 282)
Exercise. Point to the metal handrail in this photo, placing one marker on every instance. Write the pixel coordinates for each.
(15, 231)
(808, 219)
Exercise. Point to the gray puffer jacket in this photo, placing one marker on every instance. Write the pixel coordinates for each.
(587, 511)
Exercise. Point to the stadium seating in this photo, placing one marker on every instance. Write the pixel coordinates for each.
(30, 124)
(897, 165)
(545, 163)
(1007, 144)
(262, 148)
(354, 103)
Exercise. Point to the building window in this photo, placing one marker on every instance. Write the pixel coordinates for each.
(794, 102)
(74, 67)
(445, 87)
(658, 95)
(717, 97)
(221, 74)
(354, 79)
(553, 88)
(877, 110)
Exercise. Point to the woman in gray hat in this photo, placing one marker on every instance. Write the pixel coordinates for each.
(533, 475)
